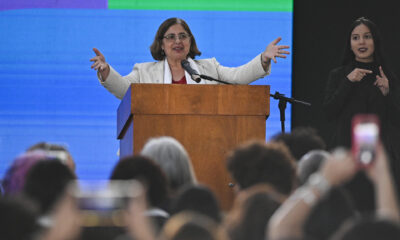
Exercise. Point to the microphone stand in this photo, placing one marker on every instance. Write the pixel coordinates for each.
(282, 106)
(212, 79)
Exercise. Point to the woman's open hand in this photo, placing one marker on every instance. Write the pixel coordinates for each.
(273, 51)
(100, 64)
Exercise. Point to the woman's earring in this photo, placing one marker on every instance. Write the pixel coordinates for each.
(162, 52)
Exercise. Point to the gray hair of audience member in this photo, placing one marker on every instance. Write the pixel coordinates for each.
(310, 163)
(173, 160)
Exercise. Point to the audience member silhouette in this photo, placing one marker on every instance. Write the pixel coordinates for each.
(368, 228)
(332, 210)
(301, 140)
(152, 177)
(17, 219)
(189, 225)
(251, 212)
(199, 199)
(55, 150)
(14, 178)
(46, 182)
(260, 162)
(310, 163)
(289, 220)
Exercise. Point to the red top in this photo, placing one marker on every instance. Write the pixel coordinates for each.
(182, 81)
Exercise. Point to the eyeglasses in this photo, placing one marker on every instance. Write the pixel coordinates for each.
(181, 36)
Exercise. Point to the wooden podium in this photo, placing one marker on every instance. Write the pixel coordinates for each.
(209, 121)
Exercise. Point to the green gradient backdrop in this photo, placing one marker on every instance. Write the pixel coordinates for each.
(205, 5)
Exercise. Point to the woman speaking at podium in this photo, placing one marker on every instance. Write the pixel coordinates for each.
(173, 43)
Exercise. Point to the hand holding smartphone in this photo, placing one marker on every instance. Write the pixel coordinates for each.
(102, 203)
(365, 139)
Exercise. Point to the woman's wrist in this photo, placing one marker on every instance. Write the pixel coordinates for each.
(319, 182)
(103, 69)
(265, 60)
(103, 73)
(316, 187)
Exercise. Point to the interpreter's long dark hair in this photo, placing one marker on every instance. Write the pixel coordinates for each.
(348, 53)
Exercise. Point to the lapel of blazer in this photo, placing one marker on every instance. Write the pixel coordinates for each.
(157, 72)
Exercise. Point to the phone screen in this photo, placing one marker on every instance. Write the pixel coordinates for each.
(365, 138)
(102, 203)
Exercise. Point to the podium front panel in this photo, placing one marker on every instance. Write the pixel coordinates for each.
(208, 140)
(209, 121)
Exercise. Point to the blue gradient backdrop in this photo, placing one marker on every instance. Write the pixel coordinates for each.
(49, 93)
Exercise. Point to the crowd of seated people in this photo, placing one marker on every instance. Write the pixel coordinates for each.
(288, 188)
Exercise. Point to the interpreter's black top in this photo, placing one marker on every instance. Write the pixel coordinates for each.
(344, 99)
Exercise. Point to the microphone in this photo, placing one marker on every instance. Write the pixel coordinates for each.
(193, 73)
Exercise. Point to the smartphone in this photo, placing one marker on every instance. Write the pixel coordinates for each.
(102, 203)
(365, 138)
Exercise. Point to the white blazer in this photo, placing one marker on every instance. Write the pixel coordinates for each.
(153, 72)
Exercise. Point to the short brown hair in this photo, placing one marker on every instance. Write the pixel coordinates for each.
(258, 162)
(155, 47)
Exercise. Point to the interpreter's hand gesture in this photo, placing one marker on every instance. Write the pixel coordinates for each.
(100, 64)
(273, 51)
(382, 82)
(358, 74)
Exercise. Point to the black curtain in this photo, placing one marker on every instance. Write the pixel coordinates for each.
(319, 34)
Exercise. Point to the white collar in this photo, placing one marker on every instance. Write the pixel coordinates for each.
(189, 80)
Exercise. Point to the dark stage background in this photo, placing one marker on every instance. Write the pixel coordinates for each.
(319, 34)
